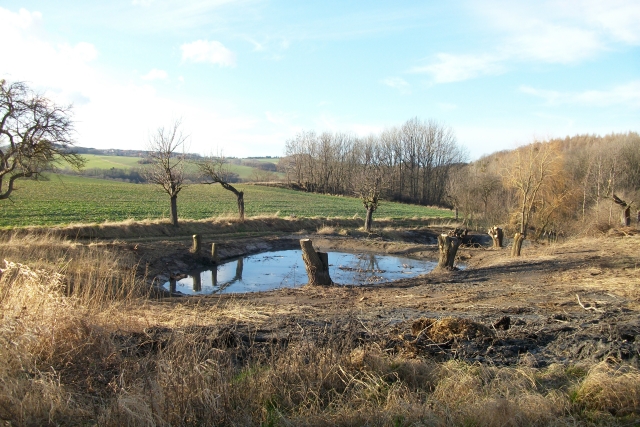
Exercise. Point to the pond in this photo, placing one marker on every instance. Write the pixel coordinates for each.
(285, 269)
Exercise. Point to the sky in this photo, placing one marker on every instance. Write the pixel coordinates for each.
(245, 76)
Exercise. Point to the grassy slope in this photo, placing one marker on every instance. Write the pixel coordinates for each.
(68, 199)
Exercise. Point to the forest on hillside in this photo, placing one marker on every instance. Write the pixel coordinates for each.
(578, 183)
(573, 184)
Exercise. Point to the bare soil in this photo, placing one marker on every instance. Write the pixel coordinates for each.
(568, 302)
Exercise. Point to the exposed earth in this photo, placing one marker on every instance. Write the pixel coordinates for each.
(566, 302)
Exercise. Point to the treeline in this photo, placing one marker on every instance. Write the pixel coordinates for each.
(412, 162)
(576, 177)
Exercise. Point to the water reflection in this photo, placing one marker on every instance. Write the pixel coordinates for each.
(272, 270)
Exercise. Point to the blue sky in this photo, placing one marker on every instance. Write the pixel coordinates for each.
(244, 76)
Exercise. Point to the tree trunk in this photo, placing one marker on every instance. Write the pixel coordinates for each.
(517, 244)
(368, 220)
(240, 196)
(497, 235)
(626, 216)
(448, 247)
(174, 210)
(316, 264)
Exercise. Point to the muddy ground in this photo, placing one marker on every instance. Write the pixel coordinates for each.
(568, 302)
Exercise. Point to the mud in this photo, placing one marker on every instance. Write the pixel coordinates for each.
(570, 302)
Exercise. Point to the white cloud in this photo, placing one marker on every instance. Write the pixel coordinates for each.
(397, 83)
(156, 74)
(208, 51)
(454, 68)
(626, 94)
(70, 76)
(21, 20)
(618, 18)
(554, 44)
(553, 32)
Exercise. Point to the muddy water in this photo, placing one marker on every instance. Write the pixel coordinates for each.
(273, 270)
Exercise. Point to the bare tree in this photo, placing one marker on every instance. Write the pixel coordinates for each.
(534, 165)
(215, 170)
(167, 155)
(369, 181)
(35, 134)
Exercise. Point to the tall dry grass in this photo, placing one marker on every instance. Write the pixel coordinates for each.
(81, 345)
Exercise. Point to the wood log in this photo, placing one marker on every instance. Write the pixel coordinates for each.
(196, 244)
(448, 247)
(497, 235)
(316, 264)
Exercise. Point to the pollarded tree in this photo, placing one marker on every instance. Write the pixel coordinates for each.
(369, 180)
(35, 134)
(167, 162)
(215, 171)
(532, 169)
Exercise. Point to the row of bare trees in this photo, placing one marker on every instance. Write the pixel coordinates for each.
(413, 161)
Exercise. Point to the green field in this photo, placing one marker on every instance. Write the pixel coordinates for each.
(68, 199)
(125, 162)
(108, 162)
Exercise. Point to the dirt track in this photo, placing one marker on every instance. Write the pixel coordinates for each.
(566, 302)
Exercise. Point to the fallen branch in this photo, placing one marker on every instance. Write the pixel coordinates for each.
(589, 307)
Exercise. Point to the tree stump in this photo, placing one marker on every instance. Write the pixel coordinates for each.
(497, 235)
(316, 264)
(196, 244)
(448, 247)
(517, 244)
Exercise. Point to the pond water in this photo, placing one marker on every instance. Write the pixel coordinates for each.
(285, 269)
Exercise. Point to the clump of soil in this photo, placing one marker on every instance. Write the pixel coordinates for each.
(449, 328)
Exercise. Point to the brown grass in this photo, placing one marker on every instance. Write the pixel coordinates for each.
(80, 344)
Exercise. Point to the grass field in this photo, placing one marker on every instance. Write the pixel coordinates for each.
(69, 199)
(108, 162)
(124, 162)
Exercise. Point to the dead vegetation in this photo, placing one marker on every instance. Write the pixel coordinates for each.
(83, 344)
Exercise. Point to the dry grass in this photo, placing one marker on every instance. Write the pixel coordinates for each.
(81, 345)
(220, 225)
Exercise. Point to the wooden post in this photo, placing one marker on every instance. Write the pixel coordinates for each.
(214, 253)
(316, 264)
(172, 284)
(497, 235)
(448, 247)
(196, 244)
